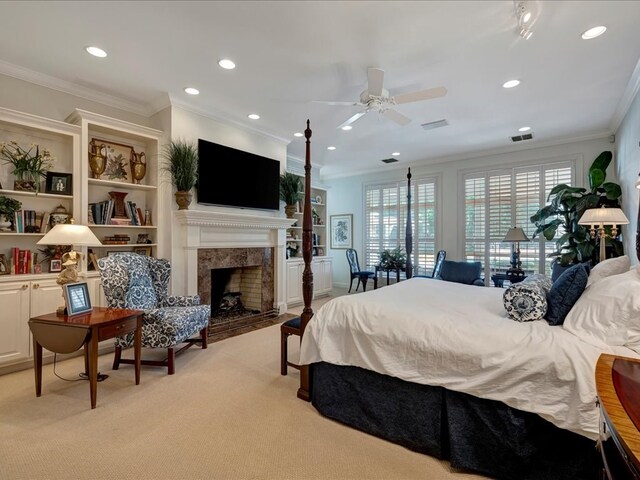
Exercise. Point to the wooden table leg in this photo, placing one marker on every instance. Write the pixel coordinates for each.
(37, 366)
(137, 348)
(93, 367)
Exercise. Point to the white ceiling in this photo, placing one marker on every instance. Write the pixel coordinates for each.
(289, 53)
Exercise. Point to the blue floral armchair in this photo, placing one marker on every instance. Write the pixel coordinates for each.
(134, 281)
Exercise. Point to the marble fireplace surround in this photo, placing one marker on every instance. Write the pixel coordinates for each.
(195, 230)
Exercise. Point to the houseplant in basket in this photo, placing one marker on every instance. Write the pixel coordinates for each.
(290, 192)
(393, 259)
(182, 166)
(8, 208)
(29, 166)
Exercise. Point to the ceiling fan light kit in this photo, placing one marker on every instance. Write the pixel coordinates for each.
(524, 18)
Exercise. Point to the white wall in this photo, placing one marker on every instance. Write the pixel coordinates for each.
(628, 167)
(345, 195)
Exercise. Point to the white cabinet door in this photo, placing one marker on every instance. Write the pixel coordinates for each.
(14, 329)
(327, 275)
(294, 282)
(46, 297)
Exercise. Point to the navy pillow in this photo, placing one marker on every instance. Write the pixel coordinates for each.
(565, 292)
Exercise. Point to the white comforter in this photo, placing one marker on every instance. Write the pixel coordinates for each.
(459, 337)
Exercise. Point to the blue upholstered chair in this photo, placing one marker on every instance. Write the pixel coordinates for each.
(437, 268)
(462, 272)
(135, 281)
(354, 268)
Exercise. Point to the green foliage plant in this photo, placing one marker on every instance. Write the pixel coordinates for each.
(181, 164)
(27, 164)
(8, 208)
(567, 204)
(392, 259)
(290, 188)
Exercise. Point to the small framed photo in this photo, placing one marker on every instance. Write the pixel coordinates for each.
(4, 265)
(341, 230)
(146, 251)
(59, 183)
(77, 298)
(55, 265)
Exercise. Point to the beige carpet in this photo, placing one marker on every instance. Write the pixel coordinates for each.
(227, 413)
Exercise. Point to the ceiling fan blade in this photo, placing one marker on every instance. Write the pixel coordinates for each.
(396, 117)
(375, 77)
(348, 104)
(352, 119)
(420, 95)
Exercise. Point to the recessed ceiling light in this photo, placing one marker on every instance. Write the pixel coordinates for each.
(331, 148)
(594, 32)
(511, 83)
(226, 64)
(524, 129)
(96, 52)
(395, 154)
(192, 91)
(347, 127)
(254, 116)
(298, 134)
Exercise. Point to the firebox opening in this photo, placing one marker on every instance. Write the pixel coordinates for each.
(235, 293)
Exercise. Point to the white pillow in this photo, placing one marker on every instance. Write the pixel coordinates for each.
(606, 268)
(608, 313)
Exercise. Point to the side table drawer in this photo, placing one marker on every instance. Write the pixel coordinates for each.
(117, 329)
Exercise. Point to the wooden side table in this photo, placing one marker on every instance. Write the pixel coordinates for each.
(499, 278)
(67, 334)
(388, 270)
(618, 388)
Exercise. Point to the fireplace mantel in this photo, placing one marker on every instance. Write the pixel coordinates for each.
(197, 229)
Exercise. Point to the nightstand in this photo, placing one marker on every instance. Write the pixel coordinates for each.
(499, 278)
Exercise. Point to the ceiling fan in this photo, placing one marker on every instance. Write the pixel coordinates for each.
(376, 99)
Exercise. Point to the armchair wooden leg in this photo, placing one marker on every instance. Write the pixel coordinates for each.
(350, 285)
(364, 284)
(283, 353)
(171, 360)
(204, 335)
(358, 284)
(116, 358)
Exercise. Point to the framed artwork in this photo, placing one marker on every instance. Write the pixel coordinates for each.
(58, 183)
(118, 167)
(76, 296)
(146, 251)
(341, 230)
(55, 265)
(4, 265)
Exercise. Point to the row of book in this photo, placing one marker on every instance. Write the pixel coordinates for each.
(30, 221)
(25, 261)
(101, 213)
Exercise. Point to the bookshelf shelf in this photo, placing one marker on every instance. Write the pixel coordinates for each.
(19, 193)
(136, 227)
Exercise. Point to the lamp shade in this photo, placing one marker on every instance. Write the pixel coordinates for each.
(603, 216)
(69, 234)
(515, 234)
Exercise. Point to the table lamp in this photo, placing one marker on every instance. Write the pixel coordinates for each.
(603, 217)
(515, 235)
(69, 234)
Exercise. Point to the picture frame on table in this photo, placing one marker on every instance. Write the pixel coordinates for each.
(118, 167)
(341, 231)
(77, 299)
(55, 265)
(59, 183)
(5, 268)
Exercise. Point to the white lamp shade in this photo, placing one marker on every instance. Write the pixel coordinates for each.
(515, 234)
(69, 234)
(603, 216)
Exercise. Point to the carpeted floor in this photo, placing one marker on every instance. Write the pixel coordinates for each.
(227, 413)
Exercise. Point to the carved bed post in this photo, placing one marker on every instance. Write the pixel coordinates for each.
(408, 238)
(307, 274)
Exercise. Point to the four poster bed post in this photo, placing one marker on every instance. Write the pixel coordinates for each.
(408, 244)
(307, 274)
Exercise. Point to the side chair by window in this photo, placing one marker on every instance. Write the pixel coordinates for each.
(135, 281)
(437, 268)
(355, 272)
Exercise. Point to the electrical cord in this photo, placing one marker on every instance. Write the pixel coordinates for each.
(83, 375)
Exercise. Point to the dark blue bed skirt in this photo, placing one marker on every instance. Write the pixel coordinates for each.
(475, 434)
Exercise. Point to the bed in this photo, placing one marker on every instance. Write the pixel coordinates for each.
(439, 368)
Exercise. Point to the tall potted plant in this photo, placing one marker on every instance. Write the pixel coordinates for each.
(28, 166)
(567, 204)
(182, 166)
(290, 192)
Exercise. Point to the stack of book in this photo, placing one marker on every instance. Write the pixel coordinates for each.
(116, 240)
(101, 212)
(24, 261)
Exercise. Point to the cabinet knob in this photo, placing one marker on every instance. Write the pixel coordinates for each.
(25, 286)
(36, 286)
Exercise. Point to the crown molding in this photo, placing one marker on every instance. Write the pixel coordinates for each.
(630, 92)
(65, 86)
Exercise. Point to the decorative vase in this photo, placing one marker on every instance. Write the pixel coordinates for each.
(138, 166)
(59, 216)
(25, 183)
(97, 159)
(289, 210)
(5, 225)
(183, 199)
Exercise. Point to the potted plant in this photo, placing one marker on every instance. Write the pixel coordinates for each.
(28, 166)
(290, 192)
(182, 166)
(8, 208)
(567, 204)
(393, 259)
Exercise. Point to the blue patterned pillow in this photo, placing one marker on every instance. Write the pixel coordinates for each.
(527, 301)
(565, 292)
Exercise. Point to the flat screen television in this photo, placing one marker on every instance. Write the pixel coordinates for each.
(234, 178)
